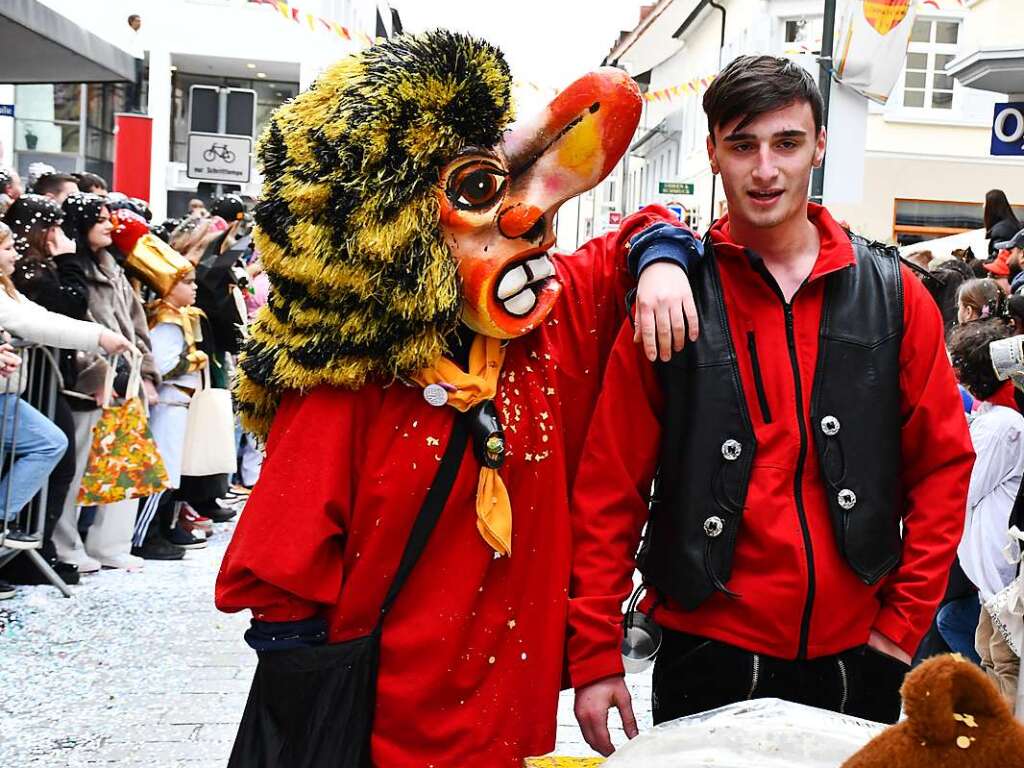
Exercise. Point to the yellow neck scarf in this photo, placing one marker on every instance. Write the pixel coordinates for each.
(479, 383)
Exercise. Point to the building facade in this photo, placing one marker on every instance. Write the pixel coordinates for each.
(237, 44)
(926, 162)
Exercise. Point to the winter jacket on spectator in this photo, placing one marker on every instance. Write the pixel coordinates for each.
(998, 436)
(114, 305)
(32, 322)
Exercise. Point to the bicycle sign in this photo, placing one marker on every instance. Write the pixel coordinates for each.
(218, 150)
(219, 157)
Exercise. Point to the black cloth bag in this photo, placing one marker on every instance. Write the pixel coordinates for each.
(313, 707)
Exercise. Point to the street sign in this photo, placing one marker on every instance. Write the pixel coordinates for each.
(674, 188)
(678, 210)
(218, 157)
(1008, 129)
(6, 110)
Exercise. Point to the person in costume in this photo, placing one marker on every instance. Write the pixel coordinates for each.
(406, 232)
(174, 332)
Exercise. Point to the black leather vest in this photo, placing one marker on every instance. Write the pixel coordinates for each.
(697, 509)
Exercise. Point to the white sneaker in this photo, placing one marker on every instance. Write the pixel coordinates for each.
(123, 561)
(82, 561)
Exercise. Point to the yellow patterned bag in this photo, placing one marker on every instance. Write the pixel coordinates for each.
(124, 462)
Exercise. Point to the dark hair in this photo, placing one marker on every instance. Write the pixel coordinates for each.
(998, 208)
(751, 86)
(968, 349)
(81, 211)
(133, 17)
(6, 179)
(87, 182)
(983, 295)
(50, 183)
(30, 218)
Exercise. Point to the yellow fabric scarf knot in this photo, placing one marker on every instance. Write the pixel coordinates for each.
(465, 390)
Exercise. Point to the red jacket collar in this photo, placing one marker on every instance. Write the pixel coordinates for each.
(1004, 396)
(836, 251)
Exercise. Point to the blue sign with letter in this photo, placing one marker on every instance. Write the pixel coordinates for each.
(6, 110)
(1008, 129)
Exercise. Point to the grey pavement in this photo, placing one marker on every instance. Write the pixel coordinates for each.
(139, 670)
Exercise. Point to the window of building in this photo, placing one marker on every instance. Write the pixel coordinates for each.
(917, 220)
(48, 117)
(933, 44)
(802, 35)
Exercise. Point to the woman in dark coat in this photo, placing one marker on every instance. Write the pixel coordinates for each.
(1001, 223)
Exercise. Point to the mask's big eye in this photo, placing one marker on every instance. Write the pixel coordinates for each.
(475, 187)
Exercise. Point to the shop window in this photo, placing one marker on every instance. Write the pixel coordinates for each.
(917, 220)
(933, 45)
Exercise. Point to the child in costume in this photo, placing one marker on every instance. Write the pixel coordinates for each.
(174, 330)
(406, 231)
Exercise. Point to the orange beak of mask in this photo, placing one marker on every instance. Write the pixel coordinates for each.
(498, 204)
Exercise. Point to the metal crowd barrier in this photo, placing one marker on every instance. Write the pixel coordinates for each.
(41, 375)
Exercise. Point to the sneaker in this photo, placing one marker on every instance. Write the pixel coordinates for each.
(182, 538)
(30, 575)
(7, 591)
(82, 562)
(19, 539)
(124, 562)
(158, 548)
(239, 490)
(191, 521)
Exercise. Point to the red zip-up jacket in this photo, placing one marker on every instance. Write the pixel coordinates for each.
(788, 591)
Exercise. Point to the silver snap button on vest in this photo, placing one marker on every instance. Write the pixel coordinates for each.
(847, 499)
(830, 426)
(714, 526)
(731, 450)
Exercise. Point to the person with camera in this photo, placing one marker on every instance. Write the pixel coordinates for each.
(811, 451)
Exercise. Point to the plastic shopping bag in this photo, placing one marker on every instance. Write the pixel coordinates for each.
(764, 733)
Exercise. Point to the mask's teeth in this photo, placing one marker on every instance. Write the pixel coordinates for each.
(521, 304)
(512, 283)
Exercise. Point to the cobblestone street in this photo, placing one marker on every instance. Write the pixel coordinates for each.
(139, 670)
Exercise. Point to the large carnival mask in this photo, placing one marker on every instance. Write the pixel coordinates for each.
(498, 204)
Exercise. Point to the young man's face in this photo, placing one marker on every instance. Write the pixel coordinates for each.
(766, 166)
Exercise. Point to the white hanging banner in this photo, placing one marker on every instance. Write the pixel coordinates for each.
(871, 45)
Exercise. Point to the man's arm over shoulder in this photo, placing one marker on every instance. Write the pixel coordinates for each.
(937, 460)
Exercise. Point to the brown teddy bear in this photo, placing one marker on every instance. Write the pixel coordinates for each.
(955, 719)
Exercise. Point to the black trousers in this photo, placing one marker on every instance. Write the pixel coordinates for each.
(693, 674)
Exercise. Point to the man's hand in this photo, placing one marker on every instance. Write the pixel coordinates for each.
(663, 300)
(882, 644)
(592, 704)
(58, 243)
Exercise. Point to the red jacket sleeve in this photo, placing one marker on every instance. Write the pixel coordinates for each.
(937, 463)
(609, 508)
(285, 557)
(588, 316)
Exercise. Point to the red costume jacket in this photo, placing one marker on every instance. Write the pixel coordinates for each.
(472, 651)
(770, 570)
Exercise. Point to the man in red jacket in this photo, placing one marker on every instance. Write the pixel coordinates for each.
(810, 453)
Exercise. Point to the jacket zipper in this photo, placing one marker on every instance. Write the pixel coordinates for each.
(755, 362)
(846, 687)
(798, 477)
(755, 674)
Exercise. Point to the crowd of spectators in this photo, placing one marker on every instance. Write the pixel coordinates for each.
(129, 310)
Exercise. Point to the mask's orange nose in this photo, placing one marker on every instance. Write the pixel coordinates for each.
(569, 147)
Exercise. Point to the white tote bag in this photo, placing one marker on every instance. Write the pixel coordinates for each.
(210, 433)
